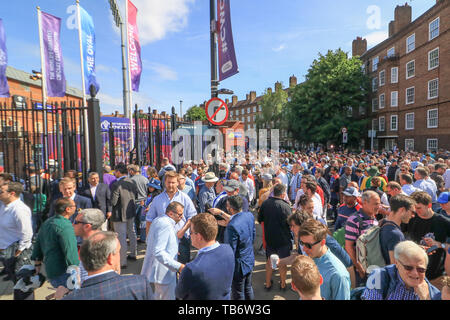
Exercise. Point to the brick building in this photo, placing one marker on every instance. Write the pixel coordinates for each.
(410, 72)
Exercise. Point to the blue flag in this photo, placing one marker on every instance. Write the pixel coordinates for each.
(88, 43)
(4, 88)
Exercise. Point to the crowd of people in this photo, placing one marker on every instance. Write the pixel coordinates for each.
(370, 226)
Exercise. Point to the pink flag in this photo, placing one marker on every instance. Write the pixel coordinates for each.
(134, 48)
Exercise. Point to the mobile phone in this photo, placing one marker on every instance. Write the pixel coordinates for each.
(433, 248)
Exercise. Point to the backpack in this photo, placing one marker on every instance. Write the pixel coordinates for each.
(339, 235)
(368, 249)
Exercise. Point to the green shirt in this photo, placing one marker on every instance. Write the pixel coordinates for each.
(57, 245)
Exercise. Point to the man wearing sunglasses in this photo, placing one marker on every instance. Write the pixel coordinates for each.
(336, 279)
(404, 280)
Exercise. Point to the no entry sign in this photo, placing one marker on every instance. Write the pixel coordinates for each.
(216, 111)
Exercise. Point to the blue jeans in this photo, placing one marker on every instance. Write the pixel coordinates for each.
(59, 280)
(241, 287)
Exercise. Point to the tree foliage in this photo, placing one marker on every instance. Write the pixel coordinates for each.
(273, 106)
(196, 113)
(318, 108)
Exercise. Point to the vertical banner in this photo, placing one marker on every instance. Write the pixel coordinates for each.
(134, 48)
(88, 44)
(227, 57)
(4, 88)
(54, 66)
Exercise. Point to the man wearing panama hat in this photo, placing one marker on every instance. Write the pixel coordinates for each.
(207, 193)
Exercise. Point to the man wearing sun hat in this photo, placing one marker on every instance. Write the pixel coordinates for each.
(207, 193)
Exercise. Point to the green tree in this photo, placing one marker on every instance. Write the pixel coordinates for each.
(196, 113)
(318, 109)
(273, 106)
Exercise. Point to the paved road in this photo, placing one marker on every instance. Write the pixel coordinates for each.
(134, 267)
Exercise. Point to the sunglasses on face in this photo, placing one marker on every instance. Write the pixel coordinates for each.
(308, 245)
(78, 222)
(411, 268)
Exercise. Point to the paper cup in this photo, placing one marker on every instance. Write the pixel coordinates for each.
(274, 260)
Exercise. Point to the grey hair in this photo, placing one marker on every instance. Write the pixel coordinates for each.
(410, 250)
(94, 251)
(95, 217)
(369, 194)
(93, 173)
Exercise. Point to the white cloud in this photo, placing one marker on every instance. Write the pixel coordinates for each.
(280, 48)
(157, 18)
(376, 37)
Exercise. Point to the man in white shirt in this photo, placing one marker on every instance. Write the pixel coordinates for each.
(249, 184)
(16, 233)
(281, 173)
(309, 187)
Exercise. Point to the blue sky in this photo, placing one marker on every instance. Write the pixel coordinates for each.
(273, 40)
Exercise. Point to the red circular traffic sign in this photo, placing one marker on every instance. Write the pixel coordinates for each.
(216, 111)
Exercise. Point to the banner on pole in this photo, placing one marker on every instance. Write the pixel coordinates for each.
(227, 57)
(134, 48)
(88, 44)
(4, 88)
(54, 65)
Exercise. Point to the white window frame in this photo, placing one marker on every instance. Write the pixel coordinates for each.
(428, 144)
(437, 89)
(429, 61)
(406, 95)
(396, 122)
(375, 104)
(396, 75)
(380, 126)
(382, 72)
(375, 84)
(375, 66)
(406, 144)
(362, 110)
(396, 99)
(436, 118)
(438, 29)
(407, 47)
(414, 62)
(406, 121)
(390, 55)
(382, 105)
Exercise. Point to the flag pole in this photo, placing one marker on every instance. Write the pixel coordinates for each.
(83, 85)
(130, 89)
(44, 87)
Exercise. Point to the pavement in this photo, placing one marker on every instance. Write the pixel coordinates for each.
(134, 267)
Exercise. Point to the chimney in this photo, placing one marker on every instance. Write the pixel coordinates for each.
(292, 81)
(141, 111)
(247, 97)
(403, 16)
(391, 28)
(227, 101)
(269, 90)
(278, 86)
(234, 100)
(252, 96)
(154, 112)
(359, 46)
(116, 114)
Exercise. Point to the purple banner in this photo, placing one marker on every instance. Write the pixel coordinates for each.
(54, 65)
(227, 57)
(134, 48)
(4, 88)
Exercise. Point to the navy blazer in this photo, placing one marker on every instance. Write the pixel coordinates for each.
(112, 286)
(102, 199)
(80, 201)
(208, 276)
(240, 234)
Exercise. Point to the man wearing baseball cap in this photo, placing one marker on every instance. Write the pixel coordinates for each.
(444, 202)
(349, 207)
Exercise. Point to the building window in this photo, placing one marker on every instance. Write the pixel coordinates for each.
(374, 124)
(260, 108)
(391, 52)
(409, 144)
(433, 88)
(382, 124)
(394, 75)
(433, 59)
(363, 68)
(237, 112)
(432, 118)
(374, 84)
(375, 63)
(254, 108)
(382, 101)
(410, 69)
(432, 144)
(394, 99)
(434, 29)
(410, 43)
(410, 93)
(349, 111)
(409, 121)
(362, 110)
(374, 105)
(394, 123)
(382, 78)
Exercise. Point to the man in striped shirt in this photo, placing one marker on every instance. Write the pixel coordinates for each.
(357, 224)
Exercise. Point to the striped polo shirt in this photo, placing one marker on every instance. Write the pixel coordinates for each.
(353, 230)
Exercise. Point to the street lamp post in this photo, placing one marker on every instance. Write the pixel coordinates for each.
(181, 108)
(213, 24)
